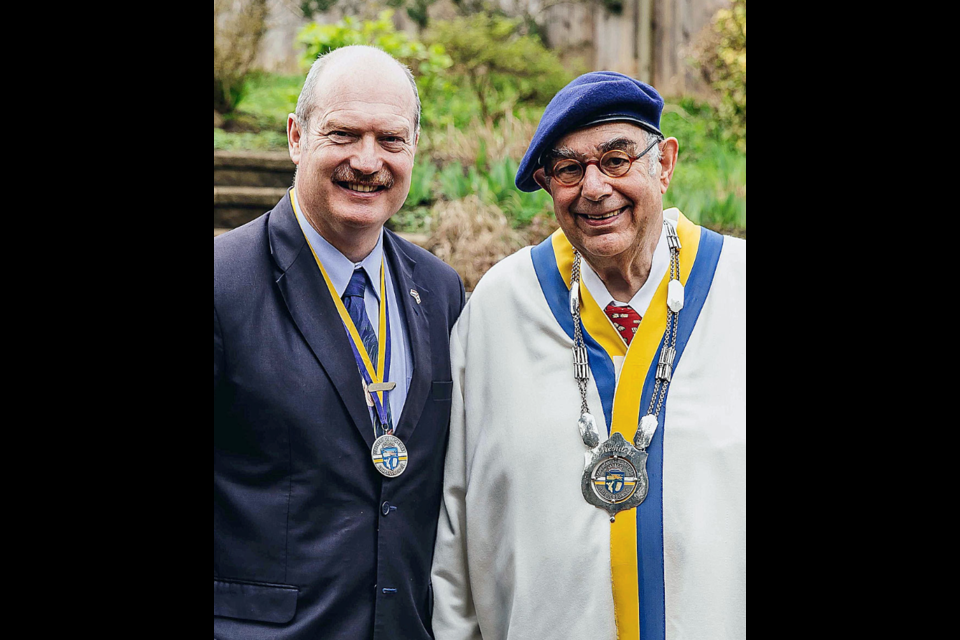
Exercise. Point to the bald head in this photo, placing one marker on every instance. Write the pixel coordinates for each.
(347, 62)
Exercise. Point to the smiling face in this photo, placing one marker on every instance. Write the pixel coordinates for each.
(612, 221)
(355, 155)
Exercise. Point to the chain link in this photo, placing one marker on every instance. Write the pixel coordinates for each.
(582, 373)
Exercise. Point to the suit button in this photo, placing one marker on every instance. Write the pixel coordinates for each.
(386, 509)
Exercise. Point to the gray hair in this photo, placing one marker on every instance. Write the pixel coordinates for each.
(655, 154)
(307, 101)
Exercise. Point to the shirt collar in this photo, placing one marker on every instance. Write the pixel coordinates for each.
(641, 301)
(338, 266)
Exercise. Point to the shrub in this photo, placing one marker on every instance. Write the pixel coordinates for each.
(238, 27)
(472, 236)
(503, 67)
(426, 62)
(722, 56)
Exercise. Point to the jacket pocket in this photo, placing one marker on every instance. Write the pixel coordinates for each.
(276, 604)
(442, 391)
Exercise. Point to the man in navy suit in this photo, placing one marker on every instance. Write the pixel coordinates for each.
(331, 379)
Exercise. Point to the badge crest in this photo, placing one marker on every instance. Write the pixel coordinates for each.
(390, 456)
(615, 478)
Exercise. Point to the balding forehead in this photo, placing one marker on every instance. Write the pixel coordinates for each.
(352, 60)
(345, 66)
(348, 64)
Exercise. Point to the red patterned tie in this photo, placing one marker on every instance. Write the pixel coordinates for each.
(626, 320)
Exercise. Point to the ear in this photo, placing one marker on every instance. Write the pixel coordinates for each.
(668, 163)
(294, 138)
(541, 179)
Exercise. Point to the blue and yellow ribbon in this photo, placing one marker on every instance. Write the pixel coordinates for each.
(372, 374)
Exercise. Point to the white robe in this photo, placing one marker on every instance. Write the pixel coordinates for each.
(520, 554)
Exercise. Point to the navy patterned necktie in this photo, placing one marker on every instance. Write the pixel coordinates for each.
(357, 308)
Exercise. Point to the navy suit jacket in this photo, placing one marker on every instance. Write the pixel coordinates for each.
(309, 540)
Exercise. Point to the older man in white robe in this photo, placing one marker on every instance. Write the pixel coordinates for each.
(595, 482)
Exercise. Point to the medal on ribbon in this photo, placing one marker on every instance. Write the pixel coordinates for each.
(390, 456)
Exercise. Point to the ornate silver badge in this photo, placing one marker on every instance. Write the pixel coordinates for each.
(390, 456)
(615, 477)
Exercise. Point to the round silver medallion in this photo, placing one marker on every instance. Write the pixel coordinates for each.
(615, 476)
(615, 480)
(390, 456)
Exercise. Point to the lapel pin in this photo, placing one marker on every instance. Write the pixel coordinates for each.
(415, 294)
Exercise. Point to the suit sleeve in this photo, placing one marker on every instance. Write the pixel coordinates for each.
(457, 300)
(217, 351)
(455, 616)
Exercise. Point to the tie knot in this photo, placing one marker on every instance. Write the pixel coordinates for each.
(358, 284)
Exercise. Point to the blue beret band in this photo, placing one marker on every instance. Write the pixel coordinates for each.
(592, 99)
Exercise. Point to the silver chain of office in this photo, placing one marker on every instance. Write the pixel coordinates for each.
(675, 300)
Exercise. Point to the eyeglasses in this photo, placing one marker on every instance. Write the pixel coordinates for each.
(615, 164)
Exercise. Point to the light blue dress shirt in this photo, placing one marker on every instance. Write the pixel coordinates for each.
(340, 269)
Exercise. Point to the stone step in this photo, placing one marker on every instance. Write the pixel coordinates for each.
(236, 206)
(253, 169)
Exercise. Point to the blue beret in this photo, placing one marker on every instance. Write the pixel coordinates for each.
(591, 99)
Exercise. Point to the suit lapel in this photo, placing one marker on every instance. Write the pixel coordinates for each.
(315, 313)
(404, 269)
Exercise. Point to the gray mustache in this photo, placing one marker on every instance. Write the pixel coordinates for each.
(345, 173)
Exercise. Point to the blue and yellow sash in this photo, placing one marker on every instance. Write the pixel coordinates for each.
(637, 548)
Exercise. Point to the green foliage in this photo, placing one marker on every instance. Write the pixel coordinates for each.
(262, 141)
(710, 182)
(493, 184)
(261, 121)
(422, 184)
(311, 8)
(418, 10)
(228, 93)
(499, 63)
(270, 99)
(723, 60)
(713, 190)
(426, 62)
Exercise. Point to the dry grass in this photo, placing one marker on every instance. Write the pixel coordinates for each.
(540, 228)
(508, 139)
(471, 237)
